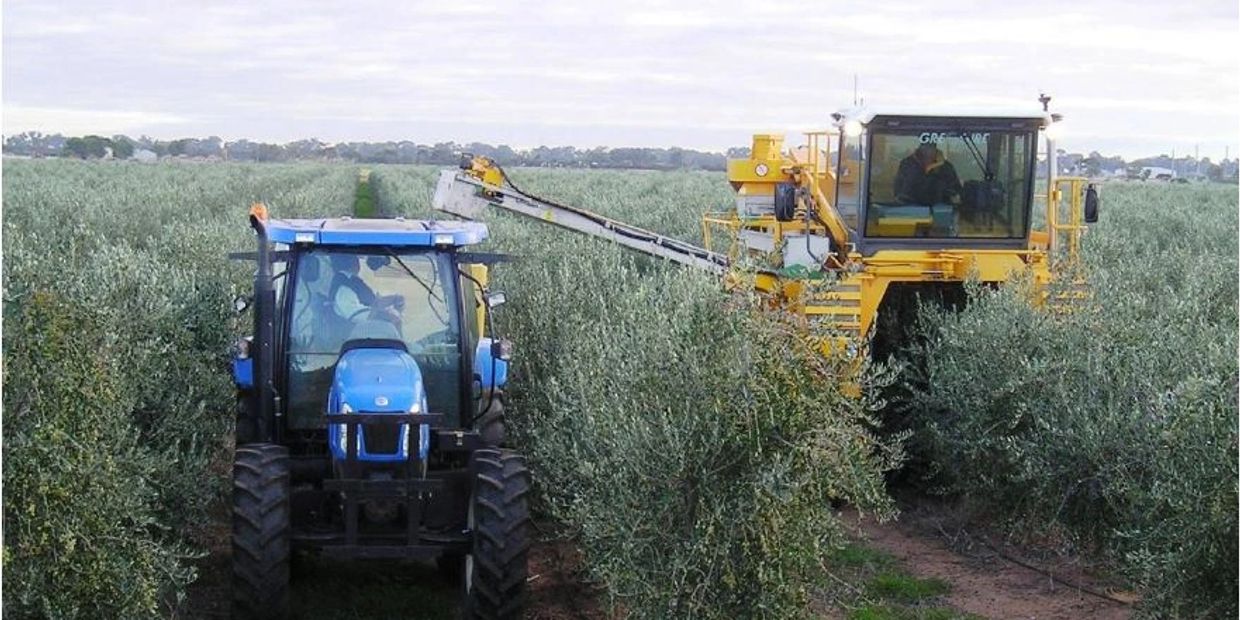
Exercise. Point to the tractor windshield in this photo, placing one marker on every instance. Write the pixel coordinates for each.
(950, 183)
(342, 295)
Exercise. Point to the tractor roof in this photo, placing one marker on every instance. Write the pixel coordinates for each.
(393, 232)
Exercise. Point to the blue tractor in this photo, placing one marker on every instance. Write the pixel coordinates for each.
(370, 417)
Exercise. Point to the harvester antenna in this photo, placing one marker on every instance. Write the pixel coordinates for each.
(1045, 100)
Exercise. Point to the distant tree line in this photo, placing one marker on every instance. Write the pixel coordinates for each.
(35, 144)
(95, 147)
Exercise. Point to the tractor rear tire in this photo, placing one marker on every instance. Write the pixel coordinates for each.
(491, 428)
(495, 569)
(246, 430)
(260, 532)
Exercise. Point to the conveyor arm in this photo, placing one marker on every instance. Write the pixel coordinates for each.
(480, 184)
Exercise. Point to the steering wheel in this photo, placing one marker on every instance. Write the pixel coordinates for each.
(380, 314)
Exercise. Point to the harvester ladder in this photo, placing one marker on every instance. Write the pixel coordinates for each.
(839, 304)
(1069, 298)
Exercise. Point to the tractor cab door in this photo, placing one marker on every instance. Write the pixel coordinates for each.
(344, 293)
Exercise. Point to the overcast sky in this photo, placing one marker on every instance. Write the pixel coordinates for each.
(1131, 77)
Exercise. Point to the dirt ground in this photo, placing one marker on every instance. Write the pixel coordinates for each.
(558, 586)
(927, 541)
(987, 578)
(558, 589)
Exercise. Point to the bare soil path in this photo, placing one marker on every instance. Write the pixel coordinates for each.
(558, 585)
(321, 590)
(927, 542)
(931, 544)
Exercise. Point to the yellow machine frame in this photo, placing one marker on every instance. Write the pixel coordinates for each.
(847, 293)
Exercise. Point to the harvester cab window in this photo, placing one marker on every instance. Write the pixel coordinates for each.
(847, 160)
(949, 183)
(341, 296)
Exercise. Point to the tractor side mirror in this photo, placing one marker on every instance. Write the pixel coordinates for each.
(496, 298)
(240, 303)
(1091, 204)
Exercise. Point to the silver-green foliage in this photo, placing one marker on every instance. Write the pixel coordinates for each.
(1116, 423)
(692, 442)
(117, 402)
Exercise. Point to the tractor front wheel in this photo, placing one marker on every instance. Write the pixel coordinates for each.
(495, 569)
(260, 531)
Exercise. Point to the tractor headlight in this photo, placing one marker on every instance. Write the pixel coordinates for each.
(344, 430)
(415, 408)
(242, 348)
(501, 349)
(852, 128)
(443, 239)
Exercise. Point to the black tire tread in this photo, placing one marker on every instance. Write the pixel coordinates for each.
(260, 531)
(501, 536)
(491, 425)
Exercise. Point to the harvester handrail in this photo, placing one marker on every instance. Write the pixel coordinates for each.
(1074, 228)
(825, 212)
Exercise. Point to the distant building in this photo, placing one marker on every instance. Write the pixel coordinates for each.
(145, 156)
(1157, 173)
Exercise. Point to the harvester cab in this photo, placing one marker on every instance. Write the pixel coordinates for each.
(896, 180)
(370, 423)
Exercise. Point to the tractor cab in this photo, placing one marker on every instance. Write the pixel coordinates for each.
(371, 404)
(399, 295)
(393, 308)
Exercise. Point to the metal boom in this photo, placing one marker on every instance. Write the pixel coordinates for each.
(463, 194)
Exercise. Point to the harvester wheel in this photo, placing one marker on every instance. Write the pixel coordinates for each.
(260, 531)
(495, 569)
(491, 426)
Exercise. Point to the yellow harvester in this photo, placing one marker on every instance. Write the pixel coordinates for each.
(883, 204)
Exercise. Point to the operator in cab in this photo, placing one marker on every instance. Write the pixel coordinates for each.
(351, 296)
(926, 178)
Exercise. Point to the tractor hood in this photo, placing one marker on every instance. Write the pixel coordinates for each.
(377, 380)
